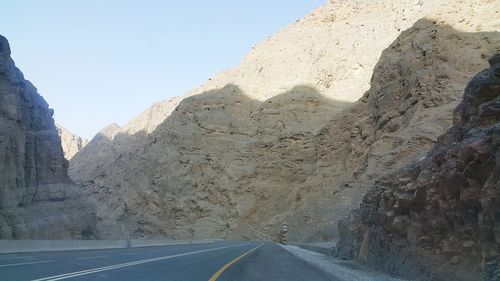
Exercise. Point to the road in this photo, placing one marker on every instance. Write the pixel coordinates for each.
(237, 260)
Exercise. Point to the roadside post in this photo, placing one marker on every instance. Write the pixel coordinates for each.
(284, 231)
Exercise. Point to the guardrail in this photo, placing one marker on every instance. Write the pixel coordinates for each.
(24, 246)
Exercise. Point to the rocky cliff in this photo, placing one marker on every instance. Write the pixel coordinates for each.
(439, 218)
(278, 138)
(71, 143)
(37, 197)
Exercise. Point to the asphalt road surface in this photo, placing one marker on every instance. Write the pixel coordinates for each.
(239, 261)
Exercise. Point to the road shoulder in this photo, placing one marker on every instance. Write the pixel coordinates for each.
(342, 270)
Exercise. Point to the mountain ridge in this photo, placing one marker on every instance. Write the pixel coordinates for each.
(188, 186)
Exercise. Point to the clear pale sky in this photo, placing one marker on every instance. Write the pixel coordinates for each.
(102, 61)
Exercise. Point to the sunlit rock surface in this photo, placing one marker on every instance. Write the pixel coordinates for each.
(71, 143)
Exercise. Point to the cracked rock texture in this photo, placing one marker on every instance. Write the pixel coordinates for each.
(298, 131)
(37, 197)
(439, 218)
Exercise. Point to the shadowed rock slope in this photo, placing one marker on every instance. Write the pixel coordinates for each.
(207, 165)
(439, 218)
(225, 164)
(37, 197)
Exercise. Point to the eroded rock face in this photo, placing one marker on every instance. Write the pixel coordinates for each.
(439, 218)
(336, 46)
(71, 143)
(37, 197)
(239, 160)
(205, 168)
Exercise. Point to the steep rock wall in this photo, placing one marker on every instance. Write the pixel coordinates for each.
(37, 197)
(439, 218)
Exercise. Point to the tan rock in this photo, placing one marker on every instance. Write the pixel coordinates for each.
(37, 197)
(70, 142)
(278, 139)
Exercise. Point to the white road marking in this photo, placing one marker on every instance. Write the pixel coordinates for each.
(23, 263)
(94, 257)
(111, 267)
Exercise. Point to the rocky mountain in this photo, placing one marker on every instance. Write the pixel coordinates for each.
(278, 138)
(70, 142)
(37, 197)
(439, 218)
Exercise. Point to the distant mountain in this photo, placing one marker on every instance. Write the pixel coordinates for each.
(70, 142)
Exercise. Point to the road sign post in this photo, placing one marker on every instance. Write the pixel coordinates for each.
(284, 231)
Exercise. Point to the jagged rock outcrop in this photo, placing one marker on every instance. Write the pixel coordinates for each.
(37, 197)
(237, 159)
(71, 143)
(439, 218)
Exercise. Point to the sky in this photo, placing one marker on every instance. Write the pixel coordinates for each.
(98, 62)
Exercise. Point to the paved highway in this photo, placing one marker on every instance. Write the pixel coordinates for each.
(208, 262)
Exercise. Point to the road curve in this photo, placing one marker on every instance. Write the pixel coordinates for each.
(236, 260)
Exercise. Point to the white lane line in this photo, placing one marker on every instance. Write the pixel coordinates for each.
(111, 267)
(128, 254)
(23, 263)
(94, 257)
